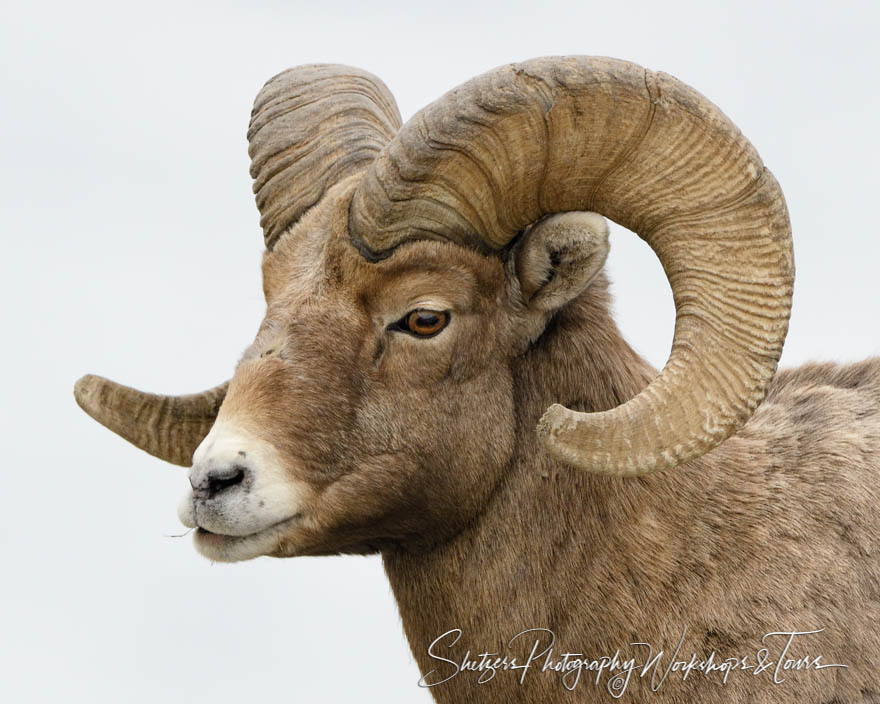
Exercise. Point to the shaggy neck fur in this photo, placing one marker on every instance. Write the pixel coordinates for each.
(711, 546)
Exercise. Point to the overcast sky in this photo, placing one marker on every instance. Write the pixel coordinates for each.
(131, 248)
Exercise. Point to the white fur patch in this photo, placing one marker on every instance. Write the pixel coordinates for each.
(243, 518)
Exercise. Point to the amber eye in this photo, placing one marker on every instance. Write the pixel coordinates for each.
(424, 323)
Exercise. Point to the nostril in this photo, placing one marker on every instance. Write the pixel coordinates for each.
(222, 479)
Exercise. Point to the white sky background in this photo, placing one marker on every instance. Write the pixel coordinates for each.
(131, 248)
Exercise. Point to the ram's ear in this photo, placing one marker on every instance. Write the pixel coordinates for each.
(558, 257)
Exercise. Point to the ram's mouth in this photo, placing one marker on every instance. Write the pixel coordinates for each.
(234, 548)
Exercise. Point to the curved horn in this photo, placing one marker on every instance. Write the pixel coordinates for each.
(168, 427)
(311, 127)
(648, 152)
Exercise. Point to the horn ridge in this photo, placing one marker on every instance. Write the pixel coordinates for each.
(649, 152)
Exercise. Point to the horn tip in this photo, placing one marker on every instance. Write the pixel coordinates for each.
(556, 420)
(574, 439)
(84, 392)
(548, 426)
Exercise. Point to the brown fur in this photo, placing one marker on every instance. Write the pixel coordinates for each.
(425, 450)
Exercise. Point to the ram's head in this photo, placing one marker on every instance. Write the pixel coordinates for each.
(407, 268)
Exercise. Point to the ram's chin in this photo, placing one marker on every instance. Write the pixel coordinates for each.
(237, 548)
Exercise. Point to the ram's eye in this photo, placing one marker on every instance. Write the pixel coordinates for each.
(423, 323)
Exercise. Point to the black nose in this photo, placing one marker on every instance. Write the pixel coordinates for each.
(217, 480)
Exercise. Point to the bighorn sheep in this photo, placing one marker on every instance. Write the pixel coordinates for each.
(433, 291)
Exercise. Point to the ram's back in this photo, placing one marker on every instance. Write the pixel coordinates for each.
(817, 442)
(826, 416)
(802, 497)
